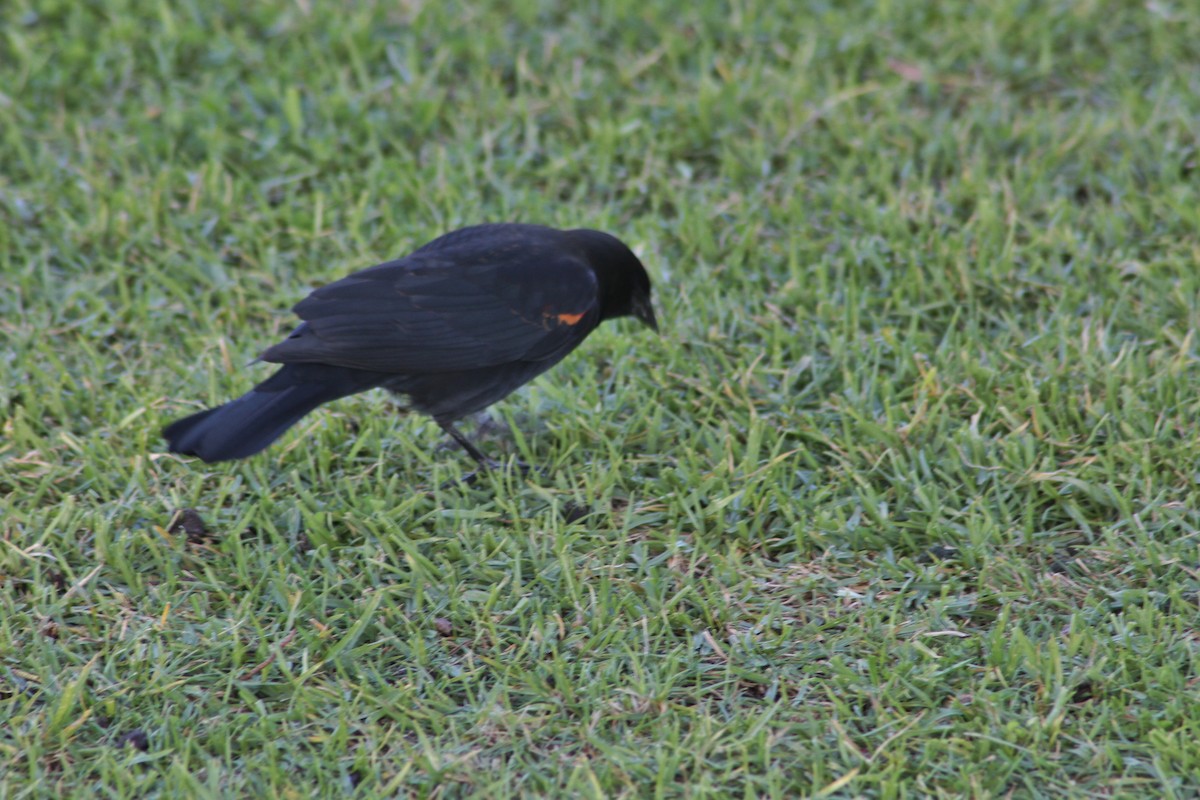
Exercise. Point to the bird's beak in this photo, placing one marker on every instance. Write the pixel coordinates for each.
(643, 311)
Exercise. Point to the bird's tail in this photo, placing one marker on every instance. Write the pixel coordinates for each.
(244, 426)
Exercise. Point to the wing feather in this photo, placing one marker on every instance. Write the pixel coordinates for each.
(440, 311)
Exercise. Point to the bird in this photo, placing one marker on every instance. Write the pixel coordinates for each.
(455, 326)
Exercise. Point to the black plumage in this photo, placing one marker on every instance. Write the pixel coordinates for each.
(455, 326)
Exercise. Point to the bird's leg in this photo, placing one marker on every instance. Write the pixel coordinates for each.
(473, 451)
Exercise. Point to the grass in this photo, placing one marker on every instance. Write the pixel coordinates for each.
(904, 502)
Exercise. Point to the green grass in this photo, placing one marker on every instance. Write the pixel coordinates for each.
(904, 502)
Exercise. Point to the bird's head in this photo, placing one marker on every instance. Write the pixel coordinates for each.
(624, 284)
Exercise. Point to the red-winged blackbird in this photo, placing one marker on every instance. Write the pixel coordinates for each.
(455, 326)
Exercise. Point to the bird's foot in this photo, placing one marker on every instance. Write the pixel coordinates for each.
(491, 465)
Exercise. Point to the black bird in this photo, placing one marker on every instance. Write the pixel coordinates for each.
(455, 326)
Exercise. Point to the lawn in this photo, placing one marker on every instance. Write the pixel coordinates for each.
(904, 501)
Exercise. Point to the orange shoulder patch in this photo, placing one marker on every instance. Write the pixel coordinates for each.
(569, 319)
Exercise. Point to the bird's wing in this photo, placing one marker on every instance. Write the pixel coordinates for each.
(429, 313)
